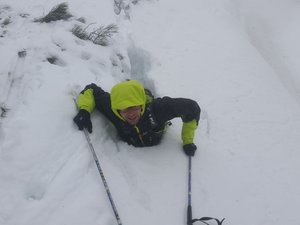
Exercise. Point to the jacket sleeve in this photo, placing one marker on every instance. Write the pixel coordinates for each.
(88, 97)
(168, 108)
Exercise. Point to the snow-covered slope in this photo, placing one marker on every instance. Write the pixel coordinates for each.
(238, 59)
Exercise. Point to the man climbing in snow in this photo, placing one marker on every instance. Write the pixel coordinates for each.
(139, 118)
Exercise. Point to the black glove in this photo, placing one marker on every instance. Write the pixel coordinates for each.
(83, 120)
(190, 149)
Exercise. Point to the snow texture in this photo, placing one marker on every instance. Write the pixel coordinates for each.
(238, 59)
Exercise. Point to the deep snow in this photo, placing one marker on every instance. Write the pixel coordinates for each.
(239, 59)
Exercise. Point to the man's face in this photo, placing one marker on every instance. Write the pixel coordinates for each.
(132, 114)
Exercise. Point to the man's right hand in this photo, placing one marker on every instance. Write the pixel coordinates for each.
(83, 120)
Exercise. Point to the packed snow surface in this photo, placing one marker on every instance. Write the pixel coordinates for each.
(238, 59)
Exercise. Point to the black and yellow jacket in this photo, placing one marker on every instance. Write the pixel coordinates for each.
(155, 113)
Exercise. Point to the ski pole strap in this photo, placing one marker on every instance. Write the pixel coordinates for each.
(204, 219)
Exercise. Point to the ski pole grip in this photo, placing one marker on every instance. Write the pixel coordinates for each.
(189, 215)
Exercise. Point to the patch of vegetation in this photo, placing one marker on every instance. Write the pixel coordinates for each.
(59, 12)
(5, 8)
(55, 61)
(81, 19)
(6, 21)
(3, 33)
(22, 53)
(80, 32)
(52, 59)
(99, 36)
(24, 15)
(3, 111)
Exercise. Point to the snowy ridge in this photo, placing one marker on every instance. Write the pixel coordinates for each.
(238, 59)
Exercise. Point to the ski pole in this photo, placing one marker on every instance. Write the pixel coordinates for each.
(189, 208)
(91, 147)
(102, 176)
(190, 219)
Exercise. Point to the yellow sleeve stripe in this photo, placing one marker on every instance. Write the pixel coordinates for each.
(188, 132)
(86, 100)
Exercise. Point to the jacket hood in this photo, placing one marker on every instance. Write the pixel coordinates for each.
(127, 94)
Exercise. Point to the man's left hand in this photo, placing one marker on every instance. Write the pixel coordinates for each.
(190, 149)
